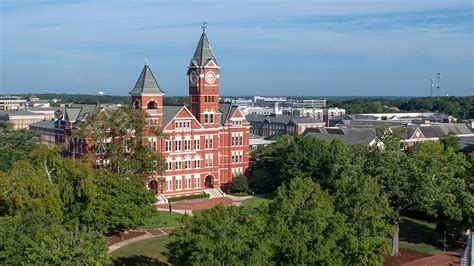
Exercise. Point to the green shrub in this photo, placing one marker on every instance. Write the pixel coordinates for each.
(197, 196)
(240, 184)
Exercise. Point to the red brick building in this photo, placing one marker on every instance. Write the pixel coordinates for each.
(208, 141)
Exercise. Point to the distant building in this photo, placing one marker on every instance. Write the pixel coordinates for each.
(268, 101)
(20, 119)
(307, 103)
(390, 119)
(47, 131)
(256, 110)
(331, 113)
(268, 126)
(12, 103)
(49, 112)
(412, 134)
(257, 141)
(434, 132)
(349, 136)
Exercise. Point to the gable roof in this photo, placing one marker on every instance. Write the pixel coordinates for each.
(227, 110)
(146, 83)
(169, 112)
(203, 53)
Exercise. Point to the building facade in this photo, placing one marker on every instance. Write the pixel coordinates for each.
(271, 126)
(12, 103)
(21, 119)
(207, 142)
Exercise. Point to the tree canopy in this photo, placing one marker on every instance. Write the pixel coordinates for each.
(429, 177)
(303, 225)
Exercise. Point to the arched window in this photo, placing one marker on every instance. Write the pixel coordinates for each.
(152, 105)
(136, 104)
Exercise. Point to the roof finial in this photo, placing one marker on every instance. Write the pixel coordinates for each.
(204, 23)
(146, 61)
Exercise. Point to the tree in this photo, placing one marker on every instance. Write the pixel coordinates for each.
(15, 145)
(73, 193)
(451, 141)
(26, 189)
(426, 177)
(121, 139)
(240, 184)
(294, 156)
(123, 202)
(34, 238)
(305, 227)
(367, 212)
(219, 236)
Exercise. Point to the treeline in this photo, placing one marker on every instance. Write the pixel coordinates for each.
(334, 204)
(459, 107)
(93, 99)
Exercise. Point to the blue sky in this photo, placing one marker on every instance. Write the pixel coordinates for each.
(321, 48)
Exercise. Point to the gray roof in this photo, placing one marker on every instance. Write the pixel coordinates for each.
(349, 136)
(227, 110)
(203, 52)
(77, 112)
(438, 116)
(282, 119)
(169, 112)
(441, 130)
(146, 83)
(466, 144)
(43, 124)
(17, 112)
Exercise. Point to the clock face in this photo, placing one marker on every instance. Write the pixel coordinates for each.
(210, 77)
(193, 77)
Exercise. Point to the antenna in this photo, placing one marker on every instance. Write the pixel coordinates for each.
(146, 61)
(431, 87)
(439, 77)
(204, 26)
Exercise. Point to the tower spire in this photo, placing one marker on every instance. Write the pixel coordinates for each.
(204, 26)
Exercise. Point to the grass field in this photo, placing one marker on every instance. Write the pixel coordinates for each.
(420, 236)
(163, 219)
(147, 252)
(258, 200)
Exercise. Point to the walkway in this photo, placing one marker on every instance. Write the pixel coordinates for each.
(195, 204)
(137, 235)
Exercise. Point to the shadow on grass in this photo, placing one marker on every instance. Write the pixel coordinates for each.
(417, 233)
(137, 260)
(265, 196)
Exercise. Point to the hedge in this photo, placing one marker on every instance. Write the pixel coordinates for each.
(197, 196)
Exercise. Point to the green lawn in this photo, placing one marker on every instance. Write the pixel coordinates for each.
(163, 219)
(147, 252)
(258, 200)
(420, 236)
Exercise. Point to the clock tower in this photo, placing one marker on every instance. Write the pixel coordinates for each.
(204, 74)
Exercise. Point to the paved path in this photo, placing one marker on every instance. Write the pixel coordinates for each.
(149, 233)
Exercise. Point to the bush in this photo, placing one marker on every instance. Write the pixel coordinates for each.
(240, 184)
(197, 196)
